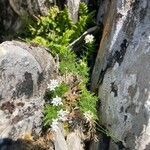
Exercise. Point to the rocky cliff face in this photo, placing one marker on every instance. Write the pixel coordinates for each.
(121, 72)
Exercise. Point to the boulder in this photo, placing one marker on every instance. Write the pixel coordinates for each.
(24, 72)
(15, 13)
(122, 73)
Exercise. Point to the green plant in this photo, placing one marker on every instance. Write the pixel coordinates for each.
(61, 90)
(87, 102)
(50, 113)
(56, 31)
(85, 20)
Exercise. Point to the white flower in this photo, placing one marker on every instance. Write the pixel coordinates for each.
(57, 101)
(54, 125)
(63, 115)
(88, 116)
(89, 38)
(82, 63)
(53, 84)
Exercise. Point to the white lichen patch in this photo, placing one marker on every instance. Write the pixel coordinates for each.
(2, 51)
(116, 66)
(144, 139)
(124, 8)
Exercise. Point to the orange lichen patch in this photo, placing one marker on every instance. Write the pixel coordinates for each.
(27, 136)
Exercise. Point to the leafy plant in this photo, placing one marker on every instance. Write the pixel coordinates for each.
(56, 31)
(50, 113)
(87, 102)
(61, 90)
(84, 22)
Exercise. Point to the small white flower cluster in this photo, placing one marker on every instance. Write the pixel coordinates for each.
(57, 101)
(88, 116)
(62, 115)
(89, 38)
(53, 84)
(54, 125)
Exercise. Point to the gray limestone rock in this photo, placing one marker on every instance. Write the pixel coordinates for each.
(15, 13)
(122, 73)
(24, 73)
(73, 6)
(73, 140)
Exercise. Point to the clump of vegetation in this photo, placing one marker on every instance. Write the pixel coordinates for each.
(56, 31)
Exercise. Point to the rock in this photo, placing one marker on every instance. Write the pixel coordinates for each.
(24, 73)
(102, 11)
(122, 73)
(73, 6)
(74, 141)
(59, 139)
(20, 144)
(13, 12)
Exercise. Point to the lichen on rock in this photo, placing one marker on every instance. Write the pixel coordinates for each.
(121, 72)
(24, 73)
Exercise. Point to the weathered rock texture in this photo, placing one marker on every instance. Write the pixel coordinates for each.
(122, 72)
(73, 6)
(24, 73)
(13, 11)
(73, 140)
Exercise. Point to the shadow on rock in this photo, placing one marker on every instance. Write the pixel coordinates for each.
(20, 144)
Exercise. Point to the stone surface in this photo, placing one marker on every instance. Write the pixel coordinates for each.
(12, 12)
(59, 139)
(73, 6)
(122, 73)
(74, 141)
(102, 11)
(24, 73)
